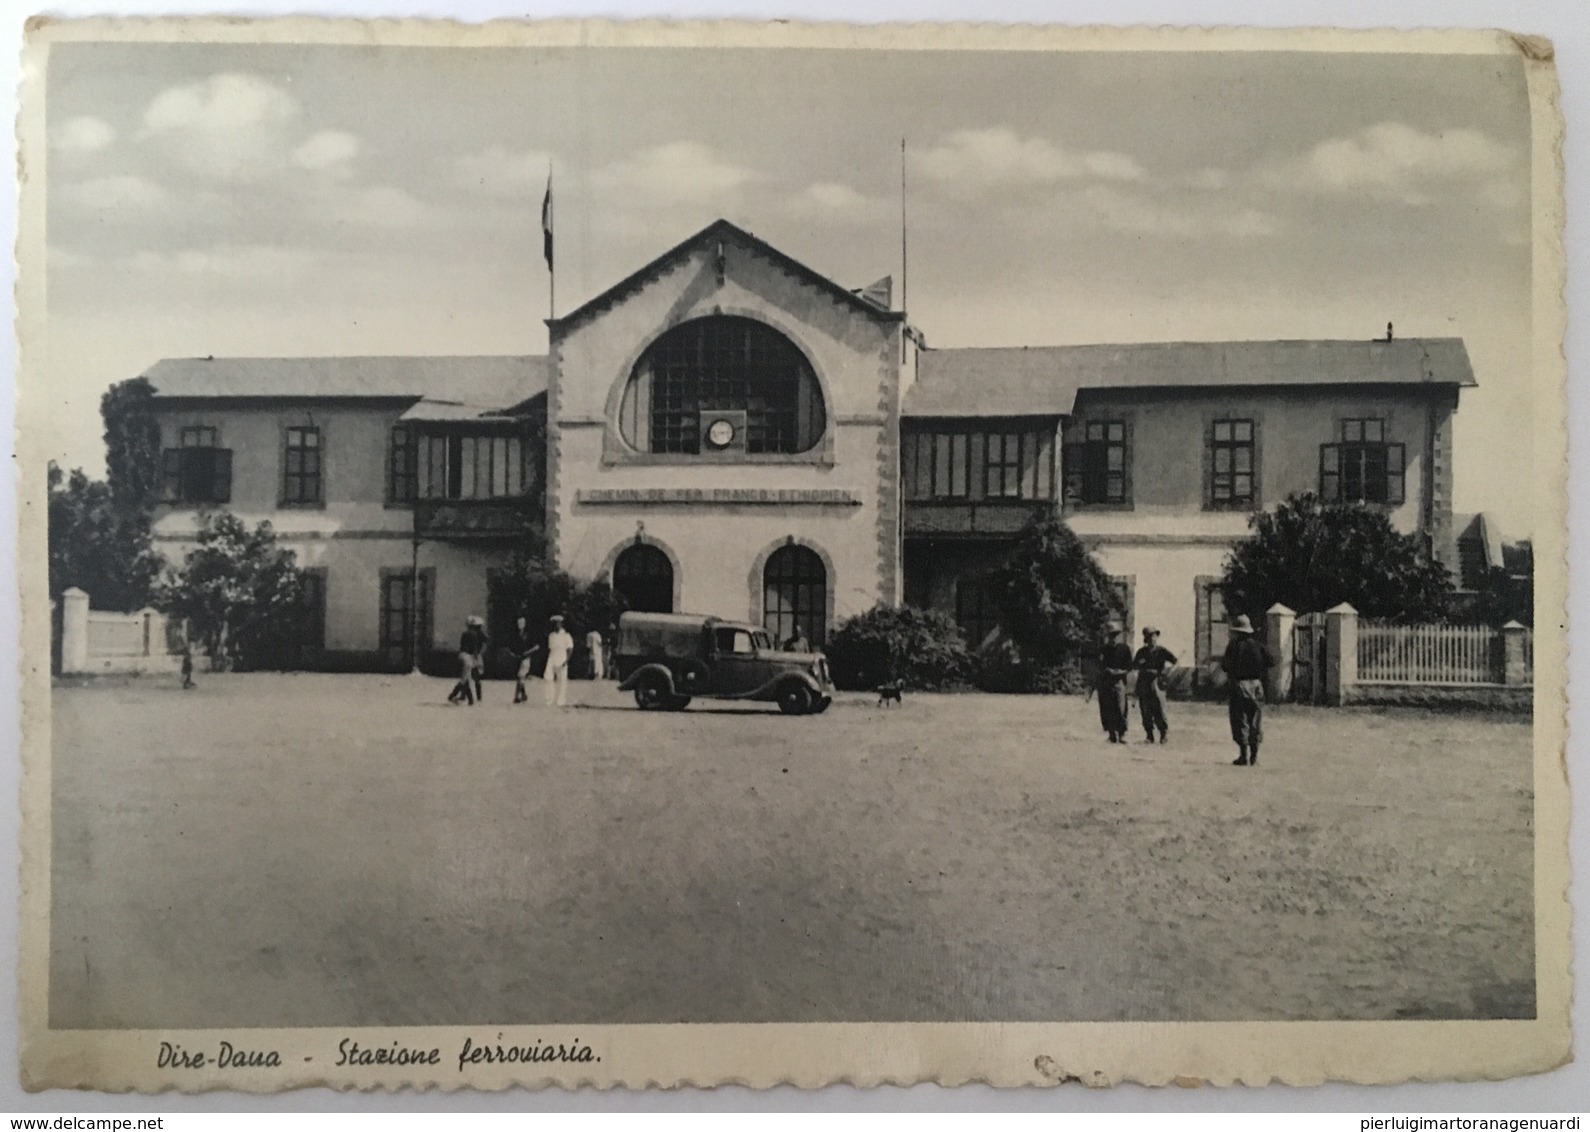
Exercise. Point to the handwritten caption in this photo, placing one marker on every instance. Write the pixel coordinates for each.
(352, 1053)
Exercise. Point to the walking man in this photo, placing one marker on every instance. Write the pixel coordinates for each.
(523, 649)
(470, 647)
(1151, 663)
(1246, 663)
(1115, 664)
(559, 646)
(598, 653)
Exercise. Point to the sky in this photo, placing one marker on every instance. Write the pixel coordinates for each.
(290, 200)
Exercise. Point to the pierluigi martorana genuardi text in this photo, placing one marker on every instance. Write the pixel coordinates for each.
(1469, 1124)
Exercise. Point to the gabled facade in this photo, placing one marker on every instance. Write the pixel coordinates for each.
(726, 424)
(728, 431)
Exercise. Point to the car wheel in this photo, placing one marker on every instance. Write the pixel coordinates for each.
(794, 699)
(651, 693)
(678, 703)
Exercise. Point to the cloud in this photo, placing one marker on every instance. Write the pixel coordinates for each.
(1209, 179)
(971, 162)
(228, 127)
(376, 206)
(1393, 161)
(252, 263)
(329, 151)
(1134, 213)
(830, 202)
(682, 172)
(501, 172)
(121, 192)
(85, 134)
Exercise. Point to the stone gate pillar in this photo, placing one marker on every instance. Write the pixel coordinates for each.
(1278, 624)
(74, 631)
(1514, 670)
(1341, 653)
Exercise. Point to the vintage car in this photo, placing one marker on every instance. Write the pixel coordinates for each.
(666, 659)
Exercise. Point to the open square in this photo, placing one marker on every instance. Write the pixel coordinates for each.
(308, 850)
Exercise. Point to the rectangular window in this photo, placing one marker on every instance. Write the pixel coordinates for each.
(471, 467)
(1104, 462)
(1231, 448)
(403, 626)
(936, 465)
(401, 466)
(1362, 467)
(313, 595)
(1002, 465)
(1211, 617)
(1125, 588)
(977, 608)
(197, 471)
(301, 467)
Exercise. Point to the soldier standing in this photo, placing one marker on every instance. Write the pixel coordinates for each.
(1246, 663)
(1115, 664)
(523, 648)
(1151, 663)
(470, 647)
(559, 646)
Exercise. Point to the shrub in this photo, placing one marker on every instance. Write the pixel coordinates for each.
(1002, 668)
(922, 649)
(1056, 597)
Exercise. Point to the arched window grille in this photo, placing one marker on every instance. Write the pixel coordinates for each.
(723, 363)
(795, 595)
(644, 577)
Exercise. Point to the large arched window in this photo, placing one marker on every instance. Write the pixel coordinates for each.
(722, 384)
(795, 595)
(644, 578)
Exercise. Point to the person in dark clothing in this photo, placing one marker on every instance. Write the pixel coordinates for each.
(1246, 663)
(187, 667)
(1151, 663)
(523, 646)
(1115, 665)
(471, 649)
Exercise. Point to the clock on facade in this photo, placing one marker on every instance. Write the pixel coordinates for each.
(720, 433)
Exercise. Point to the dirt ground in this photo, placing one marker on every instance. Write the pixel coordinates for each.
(346, 850)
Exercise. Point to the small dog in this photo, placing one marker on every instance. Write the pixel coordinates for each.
(890, 692)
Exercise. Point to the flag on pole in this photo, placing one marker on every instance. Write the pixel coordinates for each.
(546, 222)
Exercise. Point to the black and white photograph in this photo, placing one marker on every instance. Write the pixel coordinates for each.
(914, 554)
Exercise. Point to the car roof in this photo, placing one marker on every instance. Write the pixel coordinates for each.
(690, 621)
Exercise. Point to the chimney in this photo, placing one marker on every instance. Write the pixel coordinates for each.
(1388, 332)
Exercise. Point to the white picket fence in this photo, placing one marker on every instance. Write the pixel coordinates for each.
(1431, 654)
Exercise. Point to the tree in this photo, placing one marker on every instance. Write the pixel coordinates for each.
(1311, 556)
(920, 648)
(97, 546)
(1056, 597)
(132, 445)
(241, 594)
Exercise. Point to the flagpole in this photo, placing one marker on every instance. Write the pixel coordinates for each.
(552, 269)
(903, 261)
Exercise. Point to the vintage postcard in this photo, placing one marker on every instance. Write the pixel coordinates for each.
(631, 554)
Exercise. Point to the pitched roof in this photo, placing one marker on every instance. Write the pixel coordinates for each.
(483, 382)
(1045, 380)
(720, 230)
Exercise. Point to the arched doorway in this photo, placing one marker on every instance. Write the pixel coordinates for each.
(795, 595)
(644, 578)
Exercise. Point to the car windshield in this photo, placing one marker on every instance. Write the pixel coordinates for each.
(762, 641)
